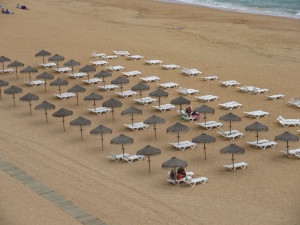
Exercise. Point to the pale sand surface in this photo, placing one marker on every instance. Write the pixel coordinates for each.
(254, 50)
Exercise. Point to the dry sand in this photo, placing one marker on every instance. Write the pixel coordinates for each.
(255, 50)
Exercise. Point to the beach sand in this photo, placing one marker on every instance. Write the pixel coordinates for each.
(252, 49)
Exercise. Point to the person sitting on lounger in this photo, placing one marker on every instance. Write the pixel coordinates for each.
(172, 174)
(189, 110)
(182, 173)
(21, 6)
(192, 113)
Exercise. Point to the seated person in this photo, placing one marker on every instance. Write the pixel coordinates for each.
(172, 174)
(181, 171)
(23, 7)
(189, 110)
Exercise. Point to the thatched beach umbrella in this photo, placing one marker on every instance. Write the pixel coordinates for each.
(12, 90)
(140, 87)
(87, 69)
(148, 151)
(204, 138)
(159, 93)
(45, 106)
(29, 98)
(233, 149)
(131, 111)
(29, 70)
(77, 89)
(59, 82)
(101, 130)
(204, 109)
(102, 74)
(93, 97)
(230, 117)
(122, 140)
(154, 120)
(63, 113)
(16, 64)
(42, 53)
(80, 121)
(174, 163)
(72, 63)
(4, 59)
(287, 136)
(45, 76)
(120, 80)
(256, 127)
(177, 128)
(56, 58)
(2, 84)
(112, 103)
(180, 101)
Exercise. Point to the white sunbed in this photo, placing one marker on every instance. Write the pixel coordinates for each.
(257, 114)
(121, 53)
(92, 81)
(131, 158)
(109, 57)
(187, 91)
(191, 72)
(263, 144)
(99, 63)
(6, 71)
(258, 91)
(126, 94)
(187, 117)
(63, 70)
(135, 57)
(77, 75)
(100, 110)
(116, 158)
(150, 79)
(247, 89)
(153, 61)
(115, 68)
(294, 102)
(234, 134)
(252, 143)
(235, 166)
(34, 83)
(169, 85)
(108, 87)
(170, 66)
(137, 126)
(193, 181)
(288, 122)
(164, 107)
(182, 145)
(64, 96)
(207, 98)
(132, 73)
(176, 182)
(292, 152)
(145, 101)
(47, 65)
(230, 105)
(210, 124)
(209, 78)
(274, 97)
(230, 83)
(97, 55)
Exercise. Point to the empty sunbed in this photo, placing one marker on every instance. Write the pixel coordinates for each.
(193, 181)
(247, 89)
(92, 81)
(108, 87)
(230, 83)
(230, 135)
(34, 83)
(6, 71)
(121, 53)
(115, 68)
(126, 94)
(263, 144)
(132, 73)
(191, 72)
(170, 67)
(257, 114)
(100, 63)
(64, 96)
(164, 107)
(137, 126)
(207, 98)
(97, 55)
(235, 166)
(145, 101)
(182, 145)
(230, 105)
(274, 97)
(63, 70)
(187, 91)
(47, 65)
(209, 78)
(150, 79)
(100, 110)
(131, 158)
(288, 122)
(116, 158)
(169, 85)
(135, 57)
(109, 56)
(258, 91)
(292, 152)
(210, 124)
(294, 102)
(77, 75)
(153, 61)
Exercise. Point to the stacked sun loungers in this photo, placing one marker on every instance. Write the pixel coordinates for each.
(164, 107)
(182, 145)
(92, 81)
(115, 68)
(109, 57)
(108, 87)
(292, 152)
(153, 61)
(288, 122)
(34, 83)
(97, 55)
(257, 114)
(263, 144)
(150, 79)
(145, 101)
(77, 75)
(63, 70)
(6, 71)
(230, 135)
(187, 91)
(137, 126)
(121, 53)
(48, 65)
(64, 96)
(132, 73)
(135, 57)
(274, 97)
(233, 167)
(210, 124)
(247, 89)
(170, 66)
(230, 105)
(207, 98)
(126, 94)
(125, 157)
(258, 91)
(191, 72)
(100, 63)
(100, 110)
(169, 85)
(209, 78)
(230, 83)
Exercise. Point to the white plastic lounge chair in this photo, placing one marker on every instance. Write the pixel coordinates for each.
(6, 71)
(132, 73)
(47, 65)
(234, 134)
(170, 66)
(108, 87)
(150, 79)
(193, 181)
(97, 55)
(230, 105)
(258, 91)
(135, 57)
(230, 83)
(253, 143)
(247, 89)
(137, 126)
(153, 61)
(189, 173)
(92, 81)
(175, 182)
(34, 83)
(100, 110)
(164, 107)
(294, 102)
(187, 91)
(210, 124)
(77, 75)
(116, 158)
(145, 101)
(189, 118)
(99, 63)
(209, 78)
(191, 72)
(64, 96)
(115, 68)
(63, 70)
(207, 98)
(131, 158)
(292, 152)
(265, 144)
(121, 53)
(169, 85)
(257, 114)
(182, 145)
(109, 57)
(274, 97)
(288, 122)
(232, 167)
(126, 94)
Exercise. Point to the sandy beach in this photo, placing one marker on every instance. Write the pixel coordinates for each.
(255, 50)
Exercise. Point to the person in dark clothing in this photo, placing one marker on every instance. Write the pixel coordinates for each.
(181, 171)
(172, 174)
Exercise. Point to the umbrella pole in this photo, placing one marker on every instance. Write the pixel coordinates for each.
(45, 85)
(178, 137)
(63, 120)
(154, 130)
(149, 162)
(141, 94)
(287, 147)
(59, 89)
(132, 119)
(103, 81)
(77, 97)
(112, 113)
(204, 119)
(159, 102)
(30, 108)
(44, 59)
(95, 104)
(0, 91)
(230, 126)
(14, 100)
(123, 149)
(233, 161)
(81, 132)
(88, 76)
(102, 141)
(46, 115)
(29, 77)
(257, 136)
(204, 150)
(17, 73)
(3, 66)
(121, 89)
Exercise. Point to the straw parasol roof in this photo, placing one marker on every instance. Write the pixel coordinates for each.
(230, 117)
(159, 93)
(2, 84)
(62, 113)
(87, 69)
(154, 120)
(140, 87)
(204, 109)
(180, 101)
(77, 89)
(80, 121)
(131, 111)
(101, 130)
(256, 127)
(45, 76)
(204, 138)
(28, 98)
(16, 64)
(46, 106)
(102, 74)
(56, 58)
(148, 151)
(12, 90)
(120, 80)
(287, 136)
(4, 59)
(29, 70)
(174, 163)
(93, 97)
(177, 128)
(59, 82)
(42, 53)
(232, 149)
(122, 140)
(72, 63)
(112, 103)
